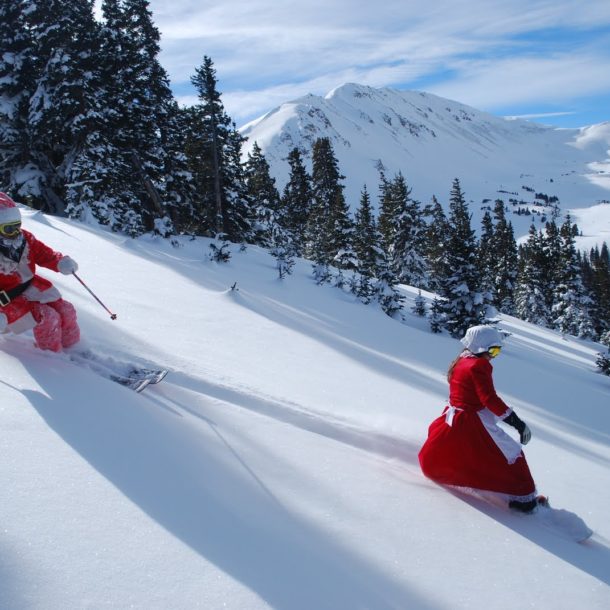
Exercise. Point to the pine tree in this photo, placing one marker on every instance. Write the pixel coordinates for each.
(179, 193)
(464, 304)
(571, 301)
(296, 202)
(437, 316)
(486, 254)
(366, 247)
(403, 231)
(603, 362)
(120, 173)
(505, 263)
(365, 236)
(419, 305)
(596, 276)
(387, 213)
(330, 229)
(551, 262)
(60, 97)
(436, 235)
(530, 299)
(17, 83)
(217, 166)
(384, 286)
(282, 248)
(264, 199)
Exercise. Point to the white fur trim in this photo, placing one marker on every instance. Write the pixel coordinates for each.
(24, 323)
(42, 296)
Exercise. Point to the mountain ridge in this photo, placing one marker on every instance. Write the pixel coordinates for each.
(433, 140)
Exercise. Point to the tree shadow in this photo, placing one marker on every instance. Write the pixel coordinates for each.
(193, 486)
(13, 584)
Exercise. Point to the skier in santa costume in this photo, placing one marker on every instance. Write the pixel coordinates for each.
(465, 445)
(28, 301)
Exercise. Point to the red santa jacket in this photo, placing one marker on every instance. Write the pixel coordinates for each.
(471, 387)
(15, 272)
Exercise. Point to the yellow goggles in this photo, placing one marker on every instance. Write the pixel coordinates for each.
(494, 350)
(10, 229)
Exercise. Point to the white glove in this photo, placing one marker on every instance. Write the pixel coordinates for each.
(3, 322)
(67, 266)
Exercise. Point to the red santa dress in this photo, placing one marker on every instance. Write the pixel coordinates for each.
(40, 307)
(466, 447)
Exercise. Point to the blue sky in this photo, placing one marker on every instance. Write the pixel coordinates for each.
(548, 60)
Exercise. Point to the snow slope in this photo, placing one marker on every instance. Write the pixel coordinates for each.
(276, 467)
(433, 140)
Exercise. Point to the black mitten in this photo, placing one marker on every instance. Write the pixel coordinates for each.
(521, 427)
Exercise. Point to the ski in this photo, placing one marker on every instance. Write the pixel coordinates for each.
(140, 378)
(132, 376)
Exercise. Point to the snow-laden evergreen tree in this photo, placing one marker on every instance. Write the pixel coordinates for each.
(179, 192)
(436, 316)
(282, 248)
(142, 106)
(402, 226)
(436, 235)
(571, 301)
(214, 152)
(366, 247)
(486, 253)
(596, 275)
(386, 222)
(551, 262)
(18, 175)
(330, 229)
(505, 262)
(366, 236)
(419, 305)
(463, 304)
(61, 95)
(297, 200)
(384, 290)
(264, 199)
(530, 299)
(603, 362)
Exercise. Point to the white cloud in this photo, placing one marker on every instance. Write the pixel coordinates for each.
(492, 84)
(477, 51)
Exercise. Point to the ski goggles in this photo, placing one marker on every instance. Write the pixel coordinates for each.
(10, 229)
(494, 350)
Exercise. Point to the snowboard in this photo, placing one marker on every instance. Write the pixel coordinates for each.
(564, 523)
(561, 522)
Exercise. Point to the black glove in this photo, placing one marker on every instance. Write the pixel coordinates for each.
(521, 427)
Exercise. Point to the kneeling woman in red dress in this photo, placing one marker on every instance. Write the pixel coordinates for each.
(465, 445)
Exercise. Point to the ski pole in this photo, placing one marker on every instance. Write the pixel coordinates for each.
(112, 315)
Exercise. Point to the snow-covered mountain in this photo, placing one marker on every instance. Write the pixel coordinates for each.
(433, 140)
(276, 466)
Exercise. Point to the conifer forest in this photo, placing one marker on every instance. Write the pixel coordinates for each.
(90, 130)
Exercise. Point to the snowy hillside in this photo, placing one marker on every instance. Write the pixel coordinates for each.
(276, 466)
(433, 140)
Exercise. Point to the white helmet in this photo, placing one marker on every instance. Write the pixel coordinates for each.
(478, 339)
